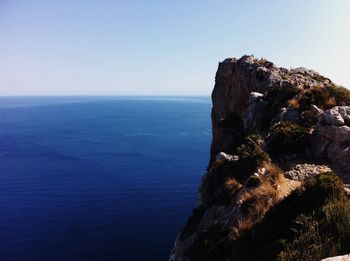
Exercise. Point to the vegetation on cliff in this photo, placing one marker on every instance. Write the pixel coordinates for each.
(287, 137)
(310, 224)
(248, 208)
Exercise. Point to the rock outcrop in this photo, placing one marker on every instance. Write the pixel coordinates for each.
(240, 101)
(333, 135)
(338, 258)
(274, 132)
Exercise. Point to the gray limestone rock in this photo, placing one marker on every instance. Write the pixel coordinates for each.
(333, 135)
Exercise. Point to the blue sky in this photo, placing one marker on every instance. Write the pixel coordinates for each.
(84, 47)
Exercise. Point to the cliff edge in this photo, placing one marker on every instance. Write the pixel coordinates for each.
(276, 185)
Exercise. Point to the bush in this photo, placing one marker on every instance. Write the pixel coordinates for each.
(309, 118)
(251, 153)
(309, 244)
(323, 186)
(216, 187)
(324, 233)
(310, 224)
(273, 173)
(278, 95)
(287, 137)
(325, 97)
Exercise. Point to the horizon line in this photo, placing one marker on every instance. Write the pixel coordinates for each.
(106, 95)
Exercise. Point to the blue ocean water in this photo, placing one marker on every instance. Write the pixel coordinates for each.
(98, 178)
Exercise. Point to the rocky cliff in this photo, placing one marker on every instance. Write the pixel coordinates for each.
(281, 140)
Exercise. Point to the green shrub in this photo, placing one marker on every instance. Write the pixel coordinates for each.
(323, 186)
(215, 189)
(337, 220)
(341, 94)
(250, 152)
(287, 137)
(309, 244)
(324, 233)
(277, 95)
(319, 78)
(309, 118)
(309, 224)
(325, 97)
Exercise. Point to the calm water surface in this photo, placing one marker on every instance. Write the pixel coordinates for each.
(98, 178)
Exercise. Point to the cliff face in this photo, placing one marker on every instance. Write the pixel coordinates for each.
(273, 130)
(238, 95)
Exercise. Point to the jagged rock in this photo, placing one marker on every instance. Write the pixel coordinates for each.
(302, 171)
(338, 153)
(317, 111)
(335, 116)
(287, 114)
(235, 80)
(222, 156)
(333, 135)
(339, 134)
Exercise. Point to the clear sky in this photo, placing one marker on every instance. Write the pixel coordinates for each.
(83, 47)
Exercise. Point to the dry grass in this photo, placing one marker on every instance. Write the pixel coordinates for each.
(294, 103)
(244, 225)
(231, 186)
(331, 102)
(256, 201)
(255, 208)
(273, 173)
(268, 191)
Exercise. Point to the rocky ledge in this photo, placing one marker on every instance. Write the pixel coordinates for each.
(272, 191)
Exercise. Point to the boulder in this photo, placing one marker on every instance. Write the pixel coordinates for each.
(314, 109)
(338, 258)
(222, 156)
(287, 114)
(332, 135)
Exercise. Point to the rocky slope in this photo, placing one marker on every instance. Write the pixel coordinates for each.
(278, 137)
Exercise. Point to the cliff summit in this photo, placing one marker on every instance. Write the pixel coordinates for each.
(278, 175)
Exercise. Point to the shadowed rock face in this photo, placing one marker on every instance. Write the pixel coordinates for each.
(252, 96)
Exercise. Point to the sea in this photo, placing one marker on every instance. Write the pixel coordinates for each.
(99, 178)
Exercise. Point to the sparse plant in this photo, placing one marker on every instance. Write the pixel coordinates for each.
(287, 137)
(273, 173)
(279, 94)
(294, 103)
(309, 118)
(232, 185)
(251, 152)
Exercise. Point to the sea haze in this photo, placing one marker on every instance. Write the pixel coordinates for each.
(98, 178)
